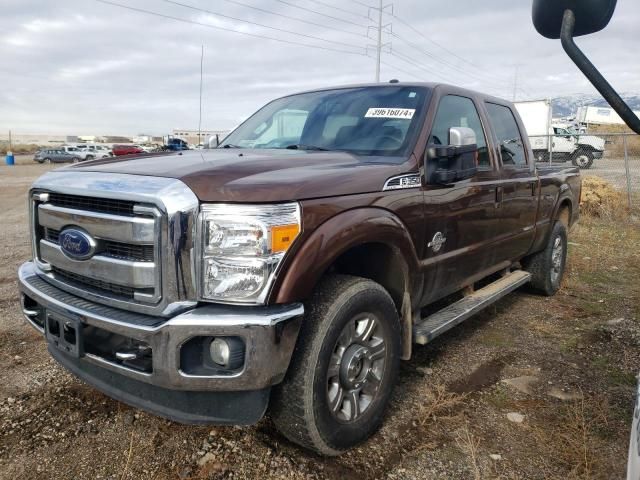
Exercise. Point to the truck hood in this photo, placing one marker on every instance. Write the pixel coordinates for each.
(596, 142)
(246, 175)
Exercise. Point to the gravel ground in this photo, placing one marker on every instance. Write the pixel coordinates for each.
(534, 388)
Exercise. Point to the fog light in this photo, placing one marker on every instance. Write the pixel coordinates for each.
(220, 352)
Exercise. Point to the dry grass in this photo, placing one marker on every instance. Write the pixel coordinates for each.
(439, 401)
(576, 437)
(469, 446)
(601, 199)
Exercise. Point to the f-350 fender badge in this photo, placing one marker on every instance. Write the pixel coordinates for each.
(437, 242)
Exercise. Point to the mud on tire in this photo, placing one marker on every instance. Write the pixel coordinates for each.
(343, 368)
(547, 266)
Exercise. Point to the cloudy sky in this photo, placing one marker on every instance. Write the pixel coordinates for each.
(93, 67)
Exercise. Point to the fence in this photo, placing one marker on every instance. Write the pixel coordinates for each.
(614, 157)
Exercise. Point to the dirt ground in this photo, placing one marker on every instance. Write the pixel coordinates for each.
(532, 388)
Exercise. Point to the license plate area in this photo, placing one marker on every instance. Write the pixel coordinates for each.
(64, 333)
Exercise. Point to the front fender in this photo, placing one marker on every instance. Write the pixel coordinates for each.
(333, 238)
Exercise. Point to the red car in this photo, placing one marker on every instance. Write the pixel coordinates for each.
(126, 150)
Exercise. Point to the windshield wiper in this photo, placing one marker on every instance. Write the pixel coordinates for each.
(301, 146)
(229, 145)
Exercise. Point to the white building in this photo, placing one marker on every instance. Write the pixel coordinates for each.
(191, 136)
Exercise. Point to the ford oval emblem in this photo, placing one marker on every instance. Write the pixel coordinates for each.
(76, 244)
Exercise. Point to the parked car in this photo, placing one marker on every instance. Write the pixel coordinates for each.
(55, 156)
(289, 267)
(119, 150)
(146, 148)
(75, 151)
(98, 151)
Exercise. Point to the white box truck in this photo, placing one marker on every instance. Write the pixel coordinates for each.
(566, 144)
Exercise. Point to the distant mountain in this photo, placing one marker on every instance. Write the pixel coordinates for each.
(568, 105)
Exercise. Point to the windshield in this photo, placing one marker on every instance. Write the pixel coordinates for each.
(370, 121)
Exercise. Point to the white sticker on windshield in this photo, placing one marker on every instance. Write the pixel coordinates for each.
(377, 112)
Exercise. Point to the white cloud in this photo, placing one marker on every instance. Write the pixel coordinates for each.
(75, 66)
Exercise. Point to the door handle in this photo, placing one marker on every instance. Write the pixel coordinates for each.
(499, 196)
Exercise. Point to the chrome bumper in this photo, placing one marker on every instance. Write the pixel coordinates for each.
(269, 335)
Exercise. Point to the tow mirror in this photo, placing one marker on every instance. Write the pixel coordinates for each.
(214, 141)
(565, 19)
(591, 16)
(445, 164)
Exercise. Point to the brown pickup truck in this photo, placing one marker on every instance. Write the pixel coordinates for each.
(290, 267)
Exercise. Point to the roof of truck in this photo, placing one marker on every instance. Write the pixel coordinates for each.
(430, 85)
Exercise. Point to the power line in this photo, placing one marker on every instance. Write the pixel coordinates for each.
(283, 30)
(351, 12)
(321, 13)
(444, 62)
(425, 69)
(362, 3)
(270, 12)
(225, 29)
(445, 49)
(387, 64)
(418, 65)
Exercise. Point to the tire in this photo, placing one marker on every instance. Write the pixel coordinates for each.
(89, 157)
(75, 160)
(46, 160)
(547, 266)
(349, 338)
(583, 160)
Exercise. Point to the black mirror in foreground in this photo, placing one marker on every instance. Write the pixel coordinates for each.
(565, 19)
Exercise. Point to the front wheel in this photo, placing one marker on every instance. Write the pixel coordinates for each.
(583, 160)
(343, 369)
(547, 267)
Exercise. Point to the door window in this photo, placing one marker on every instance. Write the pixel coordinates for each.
(508, 133)
(456, 111)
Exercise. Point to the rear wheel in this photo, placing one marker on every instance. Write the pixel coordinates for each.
(547, 267)
(75, 160)
(46, 160)
(89, 157)
(343, 369)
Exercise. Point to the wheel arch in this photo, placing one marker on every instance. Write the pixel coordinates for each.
(342, 244)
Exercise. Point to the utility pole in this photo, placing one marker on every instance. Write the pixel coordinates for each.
(200, 116)
(379, 28)
(379, 44)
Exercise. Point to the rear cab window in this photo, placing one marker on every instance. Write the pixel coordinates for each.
(512, 150)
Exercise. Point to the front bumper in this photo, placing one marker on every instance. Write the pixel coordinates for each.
(269, 335)
(597, 154)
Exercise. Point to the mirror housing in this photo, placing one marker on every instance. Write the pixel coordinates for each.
(565, 19)
(591, 16)
(214, 141)
(445, 164)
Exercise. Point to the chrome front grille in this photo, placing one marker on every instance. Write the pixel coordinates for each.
(92, 204)
(141, 231)
(82, 282)
(123, 251)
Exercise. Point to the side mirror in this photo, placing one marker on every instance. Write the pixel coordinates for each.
(591, 16)
(565, 19)
(445, 164)
(214, 141)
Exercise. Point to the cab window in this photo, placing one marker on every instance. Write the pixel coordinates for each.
(456, 111)
(508, 133)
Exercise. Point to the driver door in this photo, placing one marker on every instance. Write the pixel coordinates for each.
(462, 219)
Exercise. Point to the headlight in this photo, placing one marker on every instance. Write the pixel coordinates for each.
(242, 247)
